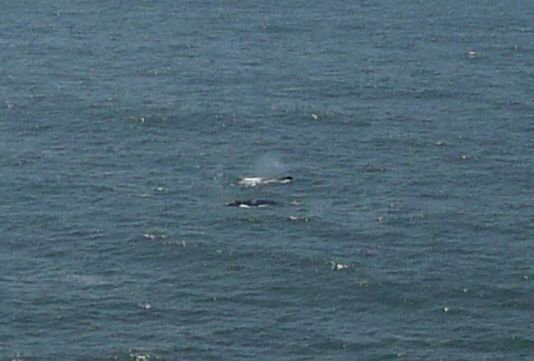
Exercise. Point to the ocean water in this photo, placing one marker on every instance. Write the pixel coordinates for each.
(408, 231)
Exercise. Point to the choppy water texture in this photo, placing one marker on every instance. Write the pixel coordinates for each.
(407, 234)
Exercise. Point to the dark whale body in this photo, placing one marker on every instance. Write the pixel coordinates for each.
(251, 203)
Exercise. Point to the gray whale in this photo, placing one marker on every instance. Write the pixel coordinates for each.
(251, 203)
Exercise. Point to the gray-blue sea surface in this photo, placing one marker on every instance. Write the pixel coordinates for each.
(407, 232)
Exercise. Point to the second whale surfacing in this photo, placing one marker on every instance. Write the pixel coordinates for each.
(258, 181)
(260, 203)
